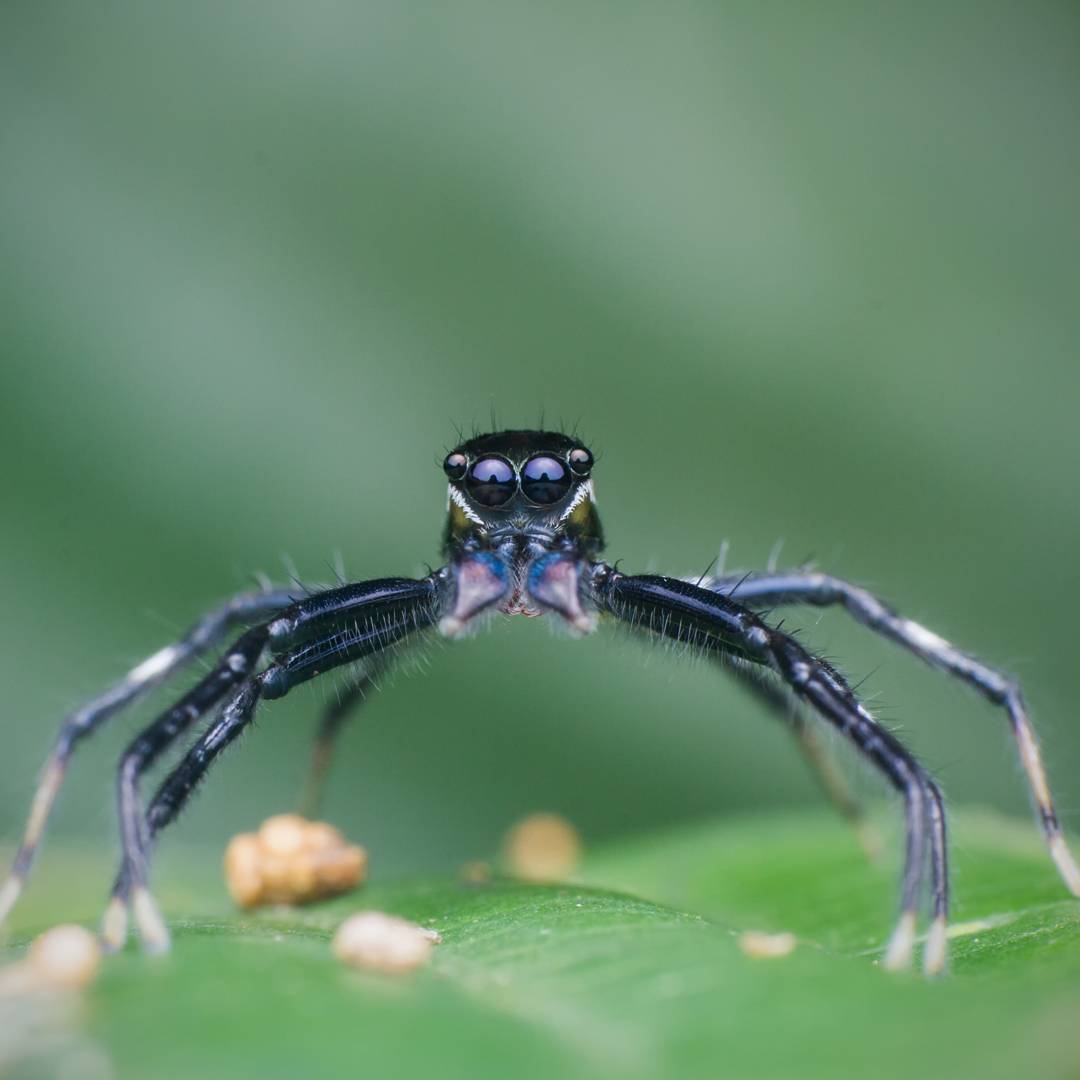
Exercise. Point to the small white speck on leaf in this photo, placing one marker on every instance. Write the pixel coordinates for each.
(764, 946)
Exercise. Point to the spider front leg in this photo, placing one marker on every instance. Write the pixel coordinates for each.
(92, 716)
(688, 613)
(822, 590)
(324, 631)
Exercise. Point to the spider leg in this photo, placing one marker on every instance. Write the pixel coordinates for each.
(141, 754)
(476, 581)
(823, 590)
(687, 613)
(148, 746)
(315, 635)
(172, 794)
(814, 751)
(137, 683)
(333, 719)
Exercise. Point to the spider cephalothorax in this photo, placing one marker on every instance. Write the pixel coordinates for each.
(521, 526)
(523, 537)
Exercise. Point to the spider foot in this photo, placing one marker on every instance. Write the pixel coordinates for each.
(1063, 859)
(153, 932)
(9, 894)
(936, 949)
(901, 945)
(114, 925)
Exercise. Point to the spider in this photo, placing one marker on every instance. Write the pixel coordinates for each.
(522, 536)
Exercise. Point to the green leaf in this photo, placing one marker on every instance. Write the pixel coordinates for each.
(580, 980)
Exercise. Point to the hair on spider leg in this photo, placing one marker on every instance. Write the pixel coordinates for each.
(292, 572)
(721, 558)
(857, 686)
(654, 639)
(336, 566)
(774, 556)
(705, 573)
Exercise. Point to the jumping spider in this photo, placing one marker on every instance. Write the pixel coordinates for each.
(522, 536)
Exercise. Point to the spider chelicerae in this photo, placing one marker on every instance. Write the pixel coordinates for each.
(523, 537)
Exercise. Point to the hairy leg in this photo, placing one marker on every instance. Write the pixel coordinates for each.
(137, 683)
(328, 630)
(822, 590)
(809, 739)
(145, 749)
(685, 612)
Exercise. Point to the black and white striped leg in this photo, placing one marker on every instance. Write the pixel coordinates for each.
(328, 630)
(333, 720)
(237, 665)
(822, 590)
(936, 949)
(137, 683)
(688, 613)
(133, 878)
(172, 795)
(809, 739)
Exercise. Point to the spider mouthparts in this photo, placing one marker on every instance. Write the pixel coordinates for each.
(554, 581)
(482, 579)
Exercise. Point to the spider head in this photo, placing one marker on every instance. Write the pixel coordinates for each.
(532, 483)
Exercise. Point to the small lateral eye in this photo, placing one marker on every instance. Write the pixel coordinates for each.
(455, 465)
(544, 480)
(581, 461)
(491, 481)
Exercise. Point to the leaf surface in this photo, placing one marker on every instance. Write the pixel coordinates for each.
(633, 971)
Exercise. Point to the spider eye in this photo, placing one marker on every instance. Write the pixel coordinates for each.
(581, 461)
(544, 480)
(454, 466)
(492, 481)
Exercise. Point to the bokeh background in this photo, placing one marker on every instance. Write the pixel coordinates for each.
(800, 272)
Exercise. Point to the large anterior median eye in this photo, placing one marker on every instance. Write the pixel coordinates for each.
(544, 480)
(491, 481)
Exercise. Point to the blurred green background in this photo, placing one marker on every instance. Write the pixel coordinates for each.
(801, 272)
